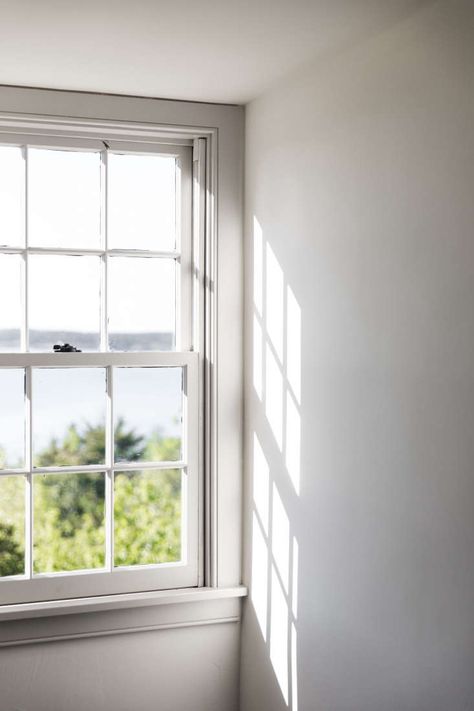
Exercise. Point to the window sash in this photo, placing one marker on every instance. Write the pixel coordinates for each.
(182, 254)
(30, 587)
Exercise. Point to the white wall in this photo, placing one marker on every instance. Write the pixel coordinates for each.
(192, 667)
(169, 670)
(360, 173)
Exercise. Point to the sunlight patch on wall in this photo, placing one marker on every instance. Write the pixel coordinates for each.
(257, 267)
(281, 539)
(293, 344)
(276, 458)
(259, 590)
(293, 441)
(279, 634)
(274, 301)
(274, 396)
(294, 669)
(294, 578)
(257, 358)
(261, 484)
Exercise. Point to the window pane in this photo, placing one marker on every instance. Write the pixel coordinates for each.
(12, 192)
(68, 416)
(69, 522)
(148, 414)
(11, 267)
(64, 302)
(141, 304)
(63, 198)
(12, 418)
(141, 202)
(147, 510)
(12, 525)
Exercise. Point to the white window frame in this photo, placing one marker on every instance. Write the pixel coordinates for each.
(197, 357)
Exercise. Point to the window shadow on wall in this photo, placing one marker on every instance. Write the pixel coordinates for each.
(274, 454)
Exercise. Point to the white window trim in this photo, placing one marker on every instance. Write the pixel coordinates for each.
(205, 217)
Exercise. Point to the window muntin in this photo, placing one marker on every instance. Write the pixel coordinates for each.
(98, 290)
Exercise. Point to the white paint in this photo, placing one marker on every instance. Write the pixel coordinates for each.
(257, 357)
(293, 441)
(155, 598)
(274, 302)
(280, 541)
(279, 634)
(293, 344)
(274, 395)
(188, 668)
(259, 575)
(214, 50)
(360, 173)
(258, 277)
(261, 485)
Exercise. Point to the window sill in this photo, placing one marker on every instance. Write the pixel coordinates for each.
(41, 622)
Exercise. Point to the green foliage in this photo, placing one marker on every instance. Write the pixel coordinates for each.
(159, 449)
(12, 533)
(147, 509)
(11, 555)
(147, 517)
(69, 517)
(68, 522)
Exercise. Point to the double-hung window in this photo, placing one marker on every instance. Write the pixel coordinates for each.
(101, 404)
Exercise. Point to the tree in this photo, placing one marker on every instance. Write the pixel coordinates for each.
(69, 530)
(147, 521)
(12, 529)
(69, 508)
(11, 555)
(88, 446)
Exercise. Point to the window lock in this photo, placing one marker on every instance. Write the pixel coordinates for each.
(65, 348)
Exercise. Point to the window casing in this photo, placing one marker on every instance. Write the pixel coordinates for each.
(187, 357)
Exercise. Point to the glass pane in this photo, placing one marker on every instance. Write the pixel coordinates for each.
(148, 413)
(142, 202)
(142, 304)
(63, 198)
(12, 525)
(12, 418)
(68, 416)
(147, 511)
(11, 293)
(64, 302)
(12, 196)
(69, 522)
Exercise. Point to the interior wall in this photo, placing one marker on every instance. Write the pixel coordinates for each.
(170, 670)
(359, 506)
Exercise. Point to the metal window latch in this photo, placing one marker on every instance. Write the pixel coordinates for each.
(65, 348)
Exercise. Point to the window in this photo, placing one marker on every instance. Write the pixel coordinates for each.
(101, 439)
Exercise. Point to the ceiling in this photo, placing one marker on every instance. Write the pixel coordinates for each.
(206, 50)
